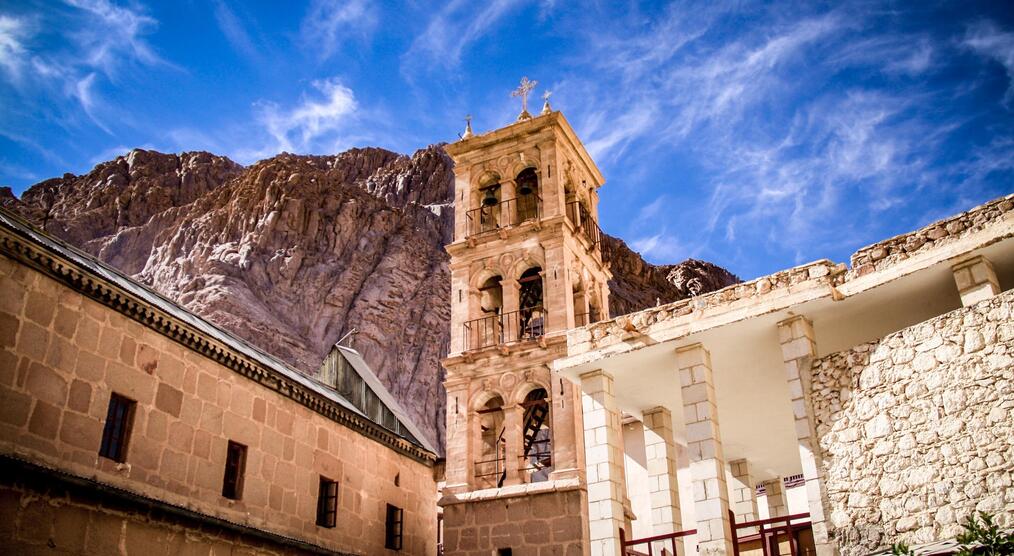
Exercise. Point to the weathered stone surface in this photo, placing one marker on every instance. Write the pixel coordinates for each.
(294, 251)
(889, 252)
(917, 429)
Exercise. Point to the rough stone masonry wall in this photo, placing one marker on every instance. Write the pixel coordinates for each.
(918, 428)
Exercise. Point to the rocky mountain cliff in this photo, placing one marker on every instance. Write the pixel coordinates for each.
(294, 251)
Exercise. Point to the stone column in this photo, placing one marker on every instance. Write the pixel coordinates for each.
(557, 296)
(976, 280)
(566, 432)
(511, 290)
(704, 447)
(774, 491)
(660, 456)
(604, 461)
(798, 350)
(458, 470)
(508, 211)
(512, 422)
(742, 491)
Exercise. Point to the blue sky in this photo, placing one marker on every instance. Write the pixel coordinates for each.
(755, 136)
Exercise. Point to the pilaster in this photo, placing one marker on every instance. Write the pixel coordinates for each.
(660, 455)
(704, 447)
(457, 471)
(799, 348)
(742, 491)
(604, 463)
(774, 492)
(976, 280)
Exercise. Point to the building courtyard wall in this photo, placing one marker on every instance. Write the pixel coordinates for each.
(917, 429)
(545, 524)
(62, 354)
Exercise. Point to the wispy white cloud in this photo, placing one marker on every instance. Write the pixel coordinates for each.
(114, 35)
(13, 55)
(661, 246)
(988, 40)
(102, 40)
(330, 23)
(235, 31)
(305, 126)
(83, 91)
(448, 33)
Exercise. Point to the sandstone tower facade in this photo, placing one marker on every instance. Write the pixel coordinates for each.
(526, 266)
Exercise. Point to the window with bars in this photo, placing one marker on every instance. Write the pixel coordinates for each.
(116, 434)
(327, 503)
(235, 468)
(394, 520)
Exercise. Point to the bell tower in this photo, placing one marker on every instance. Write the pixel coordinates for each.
(526, 266)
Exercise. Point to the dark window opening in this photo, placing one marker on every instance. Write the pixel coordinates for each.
(116, 434)
(235, 468)
(327, 503)
(532, 313)
(528, 195)
(504, 552)
(394, 523)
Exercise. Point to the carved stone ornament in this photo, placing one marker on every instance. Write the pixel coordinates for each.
(508, 381)
(506, 261)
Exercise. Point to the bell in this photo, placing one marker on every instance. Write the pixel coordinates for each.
(525, 189)
(490, 199)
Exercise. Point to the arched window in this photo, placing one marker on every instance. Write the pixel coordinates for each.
(485, 328)
(531, 313)
(528, 195)
(490, 468)
(537, 451)
(489, 207)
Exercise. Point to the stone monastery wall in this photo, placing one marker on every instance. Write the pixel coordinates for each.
(62, 355)
(917, 429)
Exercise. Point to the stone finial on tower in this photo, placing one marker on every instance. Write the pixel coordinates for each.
(523, 91)
(546, 108)
(468, 127)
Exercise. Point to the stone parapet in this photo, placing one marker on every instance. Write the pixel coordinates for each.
(896, 249)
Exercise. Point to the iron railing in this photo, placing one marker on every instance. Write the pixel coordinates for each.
(506, 328)
(767, 532)
(506, 213)
(583, 221)
(494, 471)
(584, 319)
(668, 543)
(539, 457)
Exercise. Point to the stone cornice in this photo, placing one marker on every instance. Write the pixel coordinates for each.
(86, 282)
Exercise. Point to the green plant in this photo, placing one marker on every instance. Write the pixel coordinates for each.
(901, 549)
(985, 538)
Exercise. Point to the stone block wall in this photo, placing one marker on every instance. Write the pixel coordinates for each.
(547, 524)
(62, 354)
(917, 429)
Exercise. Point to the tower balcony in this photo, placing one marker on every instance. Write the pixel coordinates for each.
(505, 214)
(505, 328)
(583, 221)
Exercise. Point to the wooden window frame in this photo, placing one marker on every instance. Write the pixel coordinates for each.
(235, 471)
(118, 427)
(394, 527)
(327, 503)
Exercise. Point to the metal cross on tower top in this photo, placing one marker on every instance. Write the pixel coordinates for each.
(523, 92)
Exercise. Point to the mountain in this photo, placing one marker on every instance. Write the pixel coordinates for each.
(293, 252)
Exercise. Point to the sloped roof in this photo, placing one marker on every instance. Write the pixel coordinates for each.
(373, 383)
(88, 264)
